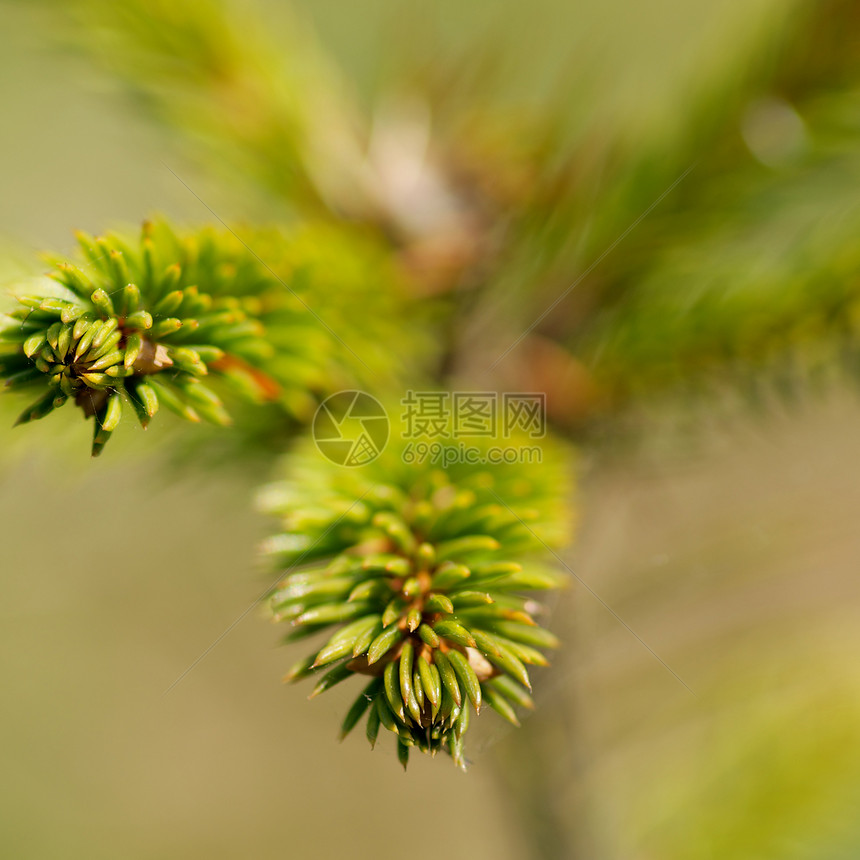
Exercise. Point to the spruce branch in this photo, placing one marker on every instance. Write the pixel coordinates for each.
(769, 292)
(177, 320)
(259, 95)
(420, 580)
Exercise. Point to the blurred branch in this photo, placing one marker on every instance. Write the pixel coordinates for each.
(259, 95)
(768, 281)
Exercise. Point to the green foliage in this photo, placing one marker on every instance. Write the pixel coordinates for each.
(143, 323)
(268, 105)
(135, 326)
(766, 288)
(419, 576)
(425, 575)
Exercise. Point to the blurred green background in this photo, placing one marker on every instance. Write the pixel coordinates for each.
(732, 551)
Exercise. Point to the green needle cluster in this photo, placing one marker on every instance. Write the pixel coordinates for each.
(154, 321)
(137, 327)
(420, 578)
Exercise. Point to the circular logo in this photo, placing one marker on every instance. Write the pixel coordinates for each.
(351, 428)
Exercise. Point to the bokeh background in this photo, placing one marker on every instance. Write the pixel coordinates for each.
(727, 541)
